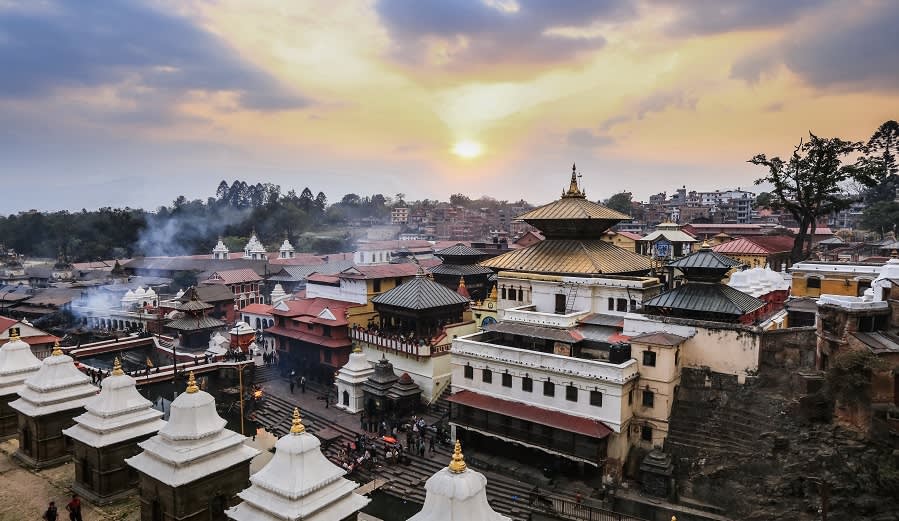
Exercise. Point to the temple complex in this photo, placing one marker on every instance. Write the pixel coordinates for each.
(48, 402)
(192, 325)
(192, 469)
(298, 483)
(17, 363)
(457, 493)
(115, 422)
(350, 380)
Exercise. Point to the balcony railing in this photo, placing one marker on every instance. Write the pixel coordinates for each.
(397, 344)
(529, 315)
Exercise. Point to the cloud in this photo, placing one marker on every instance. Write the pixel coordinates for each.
(658, 101)
(845, 50)
(467, 33)
(706, 17)
(94, 43)
(586, 138)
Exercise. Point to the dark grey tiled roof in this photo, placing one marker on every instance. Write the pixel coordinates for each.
(461, 269)
(192, 324)
(700, 297)
(420, 293)
(459, 250)
(705, 258)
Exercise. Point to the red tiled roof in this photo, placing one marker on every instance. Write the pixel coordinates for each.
(380, 271)
(237, 276)
(321, 277)
(301, 259)
(618, 337)
(6, 323)
(522, 411)
(763, 245)
(309, 337)
(40, 339)
(312, 307)
(257, 309)
(630, 235)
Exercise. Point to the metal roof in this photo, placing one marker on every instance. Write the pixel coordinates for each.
(195, 324)
(460, 269)
(705, 258)
(569, 336)
(420, 293)
(704, 297)
(756, 245)
(570, 257)
(659, 338)
(573, 208)
(671, 235)
(460, 250)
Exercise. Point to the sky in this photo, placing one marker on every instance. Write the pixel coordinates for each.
(131, 103)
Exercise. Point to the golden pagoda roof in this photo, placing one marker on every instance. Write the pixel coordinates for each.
(570, 207)
(564, 256)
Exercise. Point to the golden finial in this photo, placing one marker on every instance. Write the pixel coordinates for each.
(673, 518)
(457, 465)
(192, 384)
(492, 293)
(117, 367)
(705, 246)
(461, 282)
(13, 333)
(297, 427)
(57, 350)
(573, 189)
(357, 348)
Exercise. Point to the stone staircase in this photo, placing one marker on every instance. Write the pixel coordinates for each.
(266, 373)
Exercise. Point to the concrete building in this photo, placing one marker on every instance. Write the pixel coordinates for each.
(813, 279)
(48, 402)
(194, 467)
(399, 215)
(298, 483)
(17, 363)
(109, 432)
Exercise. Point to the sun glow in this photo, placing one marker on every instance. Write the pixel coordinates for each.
(468, 149)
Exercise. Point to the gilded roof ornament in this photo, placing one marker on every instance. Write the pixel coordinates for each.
(457, 465)
(573, 189)
(13, 333)
(57, 350)
(117, 367)
(297, 426)
(192, 384)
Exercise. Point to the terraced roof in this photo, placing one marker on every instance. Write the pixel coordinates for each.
(420, 293)
(561, 256)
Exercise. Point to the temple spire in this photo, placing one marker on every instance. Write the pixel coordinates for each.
(297, 426)
(573, 188)
(13, 333)
(457, 465)
(57, 350)
(117, 367)
(192, 384)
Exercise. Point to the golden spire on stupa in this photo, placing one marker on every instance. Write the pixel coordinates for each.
(192, 384)
(117, 367)
(457, 465)
(57, 350)
(297, 426)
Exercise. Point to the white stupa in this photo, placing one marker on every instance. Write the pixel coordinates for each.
(457, 493)
(286, 251)
(349, 381)
(278, 294)
(119, 413)
(220, 252)
(193, 444)
(254, 249)
(17, 363)
(57, 386)
(299, 483)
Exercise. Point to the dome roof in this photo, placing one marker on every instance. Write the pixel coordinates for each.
(193, 416)
(129, 295)
(286, 246)
(220, 247)
(57, 386)
(17, 363)
(139, 292)
(150, 293)
(254, 246)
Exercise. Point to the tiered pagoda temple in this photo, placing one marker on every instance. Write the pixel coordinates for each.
(115, 422)
(387, 395)
(461, 262)
(17, 362)
(419, 308)
(457, 493)
(299, 484)
(48, 403)
(194, 327)
(193, 468)
(703, 296)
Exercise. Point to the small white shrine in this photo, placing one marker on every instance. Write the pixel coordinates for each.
(457, 493)
(286, 251)
(254, 249)
(349, 381)
(17, 362)
(191, 451)
(48, 402)
(115, 421)
(299, 483)
(278, 294)
(220, 252)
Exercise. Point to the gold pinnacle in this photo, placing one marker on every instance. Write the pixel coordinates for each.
(457, 465)
(297, 427)
(57, 351)
(117, 367)
(357, 348)
(13, 333)
(461, 282)
(192, 384)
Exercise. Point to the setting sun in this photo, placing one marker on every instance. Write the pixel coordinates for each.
(467, 149)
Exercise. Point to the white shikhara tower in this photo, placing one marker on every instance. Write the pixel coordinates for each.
(254, 249)
(349, 381)
(17, 363)
(299, 483)
(286, 251)
(220, 252)
(457, 493)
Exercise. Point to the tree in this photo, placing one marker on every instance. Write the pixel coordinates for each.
(809, 184)
(321, 202)
(620, 202)
(763, 200)
(879, 162)
(459, 200)
(881, 217)
(222, 192)
(351, 200)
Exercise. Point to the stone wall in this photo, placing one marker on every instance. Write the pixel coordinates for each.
(788, 349)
